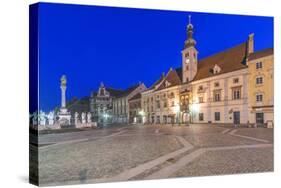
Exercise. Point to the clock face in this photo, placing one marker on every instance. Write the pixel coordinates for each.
(187, 61)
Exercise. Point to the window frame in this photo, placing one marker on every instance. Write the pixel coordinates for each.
(259, 65)
(259, 97)
(236, 93)
(259, 80)
(217, 116)
(201, 116)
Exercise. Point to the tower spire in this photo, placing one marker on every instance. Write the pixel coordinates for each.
(189, 41)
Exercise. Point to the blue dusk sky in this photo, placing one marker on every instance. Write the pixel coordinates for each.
(122, 46)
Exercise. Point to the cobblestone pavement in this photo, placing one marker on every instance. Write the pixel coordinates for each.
(260, 133)
(229, 162)
(100, 158)
(153, 152)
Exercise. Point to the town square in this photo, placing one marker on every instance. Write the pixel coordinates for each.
(203, 116)
(142, 152)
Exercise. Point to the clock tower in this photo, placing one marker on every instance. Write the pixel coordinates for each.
(189, 55)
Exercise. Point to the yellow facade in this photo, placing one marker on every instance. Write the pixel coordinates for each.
(261, 88)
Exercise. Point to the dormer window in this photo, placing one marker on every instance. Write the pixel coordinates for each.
(216, 69)
(167, 84)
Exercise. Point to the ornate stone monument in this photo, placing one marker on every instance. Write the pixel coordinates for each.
(51, 118)
(89, 118)
(42, 118)
(83, 118)
(76, 118)
(64, 115)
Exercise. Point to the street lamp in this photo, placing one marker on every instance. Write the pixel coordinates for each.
(141, 113)
(105, 116)
(177, 111)
(195, 107)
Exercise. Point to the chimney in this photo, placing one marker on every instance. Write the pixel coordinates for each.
(163, 74)
(250, 44)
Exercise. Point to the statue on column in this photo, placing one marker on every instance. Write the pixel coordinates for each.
(63, 82)
(64, 115)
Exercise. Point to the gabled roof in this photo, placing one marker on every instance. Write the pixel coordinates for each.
(228, 60)
(78, 105)
(128, 91)
(157, 82)
(260, 54)
(179, 72)
(114, 92)
(137, 96)
(172, 78)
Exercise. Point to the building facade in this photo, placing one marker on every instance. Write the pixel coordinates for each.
(261, 87)
(135, 113)
(161, 101)
(101, 104)
(120, 104)
(221, 88)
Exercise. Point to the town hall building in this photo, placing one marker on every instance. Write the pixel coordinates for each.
(216, 89)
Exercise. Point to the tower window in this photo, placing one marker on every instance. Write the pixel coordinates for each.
(187, 67)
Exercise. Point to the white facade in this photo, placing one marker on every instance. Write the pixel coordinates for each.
(216, 95)
(120, 104)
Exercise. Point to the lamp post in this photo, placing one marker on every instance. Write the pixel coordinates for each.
(194, 109)
(105, 116)
(141, 113)
(177, 111)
